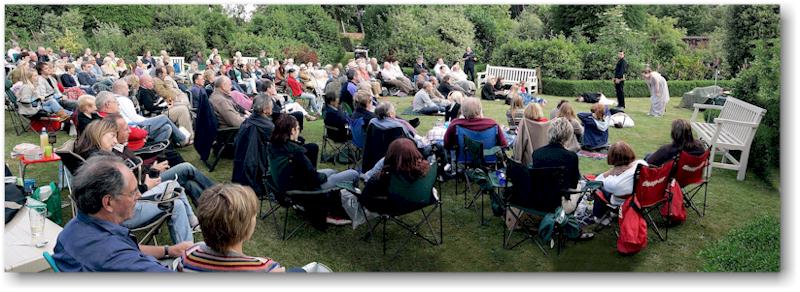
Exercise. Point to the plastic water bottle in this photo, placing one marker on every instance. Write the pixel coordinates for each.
(501, 177)
(43, 139)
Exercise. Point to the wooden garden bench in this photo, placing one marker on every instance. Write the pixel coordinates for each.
(511, 76)
(734, 129)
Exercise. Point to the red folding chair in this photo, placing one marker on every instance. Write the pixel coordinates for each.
(651, 188)
(691, 171)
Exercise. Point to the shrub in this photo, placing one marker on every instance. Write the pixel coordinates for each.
(756, 247)
(108, 37)
(760, 85)
(633, 88)
(747, 23)
(557, 56)
(308, 24)
(142, 40)
(493, 26)
(529, 26)
(182, 41)
(301, 54)
(413, 30)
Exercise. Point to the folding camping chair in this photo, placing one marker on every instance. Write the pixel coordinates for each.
(405, 197)
(358, 133)
(476, 155)
(534, 191)
(377, 143)
(651, 188)
(691, 170)
(340, 141)
(477, 171)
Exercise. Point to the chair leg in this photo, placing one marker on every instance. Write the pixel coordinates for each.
(384, 235)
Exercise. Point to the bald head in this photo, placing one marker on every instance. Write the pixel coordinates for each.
(146, 81)
(223, 84)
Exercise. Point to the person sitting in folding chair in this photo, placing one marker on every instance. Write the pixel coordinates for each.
(106, 195)
(293, 169)
(100, 139)
(336, 131)
(250, 164)
(228, 214)
(403, 168)
(28, 98)
(617, 181)
(473, 120)
(682, 140)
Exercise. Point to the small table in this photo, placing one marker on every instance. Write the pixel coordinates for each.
(18, 253)
(23, 165)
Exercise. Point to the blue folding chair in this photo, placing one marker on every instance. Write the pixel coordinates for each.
(477, 156)
(50, 261)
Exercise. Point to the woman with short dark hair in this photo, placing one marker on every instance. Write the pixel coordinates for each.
(618, 181)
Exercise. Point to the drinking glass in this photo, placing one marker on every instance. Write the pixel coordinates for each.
(37, 215)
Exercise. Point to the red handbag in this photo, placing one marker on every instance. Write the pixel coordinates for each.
(675, 211)
(632, 228)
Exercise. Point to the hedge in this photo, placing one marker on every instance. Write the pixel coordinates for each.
(633, 88)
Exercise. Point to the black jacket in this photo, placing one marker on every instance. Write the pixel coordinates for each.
(251, 162)
(487, 92)
(555, 155)
(67, 81)
(147, 99)
(619, 70)
(291, 169)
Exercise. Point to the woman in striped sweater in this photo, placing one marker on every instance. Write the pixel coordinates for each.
(227, 214)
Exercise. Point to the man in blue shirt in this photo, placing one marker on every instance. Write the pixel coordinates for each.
(198, 89)
(105, 194)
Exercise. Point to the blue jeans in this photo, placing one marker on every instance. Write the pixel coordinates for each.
(334, 178)
(429, 110)
(314, 105)
(179, 228)
(191, 179)
(160, 128)
(50, 105)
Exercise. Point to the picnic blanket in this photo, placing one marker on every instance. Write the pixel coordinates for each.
(594, 155)
(409, 111)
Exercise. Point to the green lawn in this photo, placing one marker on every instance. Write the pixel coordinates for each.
(471, 247)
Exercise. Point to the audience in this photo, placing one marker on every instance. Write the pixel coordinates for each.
(95, 240)
(87, 112)
(297, 91)
(515, 114)
(531, 133)
(595, 124)
(228, 113)
(617, 181)
(228, 215)
(159, 126)
(250, 164)
(424, 104)
(30, 101)
(473, 120)
(100, 139)
(565, 111)
(682, 140)
(402, 159)
(292, 168)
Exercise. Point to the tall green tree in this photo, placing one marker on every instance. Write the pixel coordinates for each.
(569, 19)
(493, 26)
(746, 24)
(127, 17)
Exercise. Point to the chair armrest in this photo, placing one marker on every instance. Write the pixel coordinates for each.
(719, 121)
(228, 129)
(317, 192)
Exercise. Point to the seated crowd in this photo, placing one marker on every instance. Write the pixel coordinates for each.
(119, 110)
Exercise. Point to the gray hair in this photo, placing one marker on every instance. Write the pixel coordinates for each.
(383, 109)
(262, 103)
(560, 131)
(365, 85)
(102, 98)
(471, 108)
(220, 81)
(120, 87)
(99, 175)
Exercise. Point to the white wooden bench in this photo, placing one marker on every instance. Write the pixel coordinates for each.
(511, 76)
(251, 60)
(734, 129)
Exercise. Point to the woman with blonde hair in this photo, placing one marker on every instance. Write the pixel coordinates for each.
(515, 113)
(568, 113)
(28, 99)
(228, 214)
(87, 112)
(534, 112)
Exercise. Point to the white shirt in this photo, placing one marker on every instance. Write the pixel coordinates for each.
(128, 111)
(620, 185)
(388, 74)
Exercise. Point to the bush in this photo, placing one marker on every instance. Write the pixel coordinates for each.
(141, 41)
(109, 37)
(747, 23)
(182, 41)
(493, 26)
(760, 85)
(557, 56)
(308, 24)
(633, 88)
(405, 32)
(756, 247)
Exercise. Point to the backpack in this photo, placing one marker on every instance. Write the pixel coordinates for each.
(676, 212)
(632, 228)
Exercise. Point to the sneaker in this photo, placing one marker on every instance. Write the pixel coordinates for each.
(186, 134)
(337, 221)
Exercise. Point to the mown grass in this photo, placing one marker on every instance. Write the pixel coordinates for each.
(469, 246)
(756, 247)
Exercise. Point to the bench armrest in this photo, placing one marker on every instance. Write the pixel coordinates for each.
(719, 121)
(707, 106)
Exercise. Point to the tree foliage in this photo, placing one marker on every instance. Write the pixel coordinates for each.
(126, 17)
(558, 56)
(493, 26)
(582, 19)
(760, 84)
(308, 24)
(746, 24)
